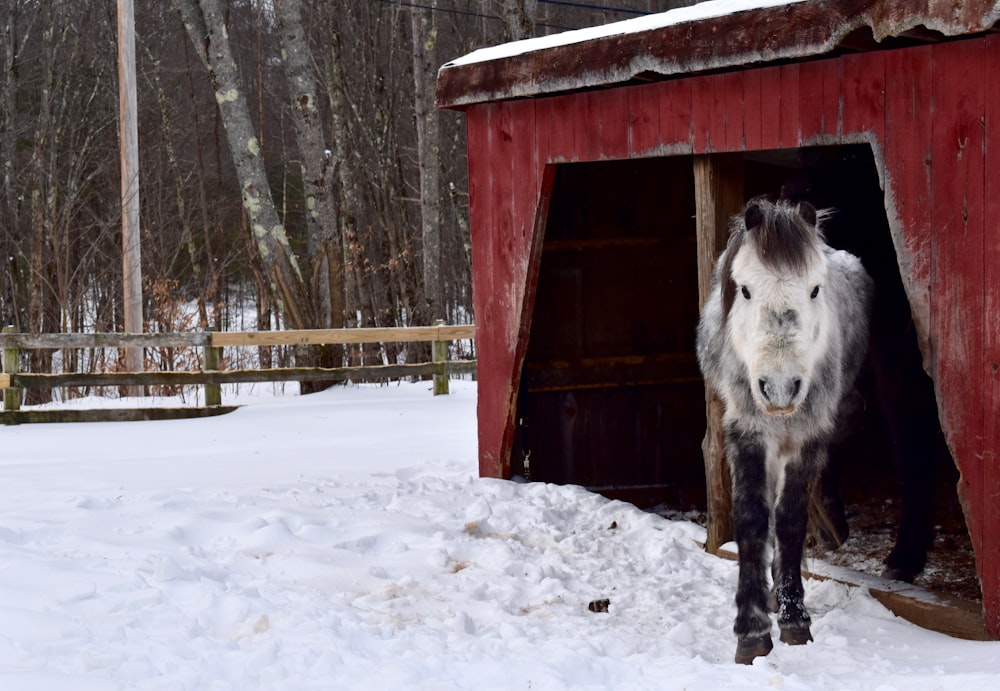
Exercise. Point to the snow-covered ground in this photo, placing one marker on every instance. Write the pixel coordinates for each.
(344, 541)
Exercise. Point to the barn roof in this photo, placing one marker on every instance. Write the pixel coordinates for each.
(717, 35)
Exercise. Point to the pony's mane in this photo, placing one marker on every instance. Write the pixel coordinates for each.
(783, 234)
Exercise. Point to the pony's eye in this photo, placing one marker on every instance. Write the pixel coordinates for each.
(746, 293)
(814, 293)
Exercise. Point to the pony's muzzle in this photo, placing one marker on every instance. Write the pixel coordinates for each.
(780, 394)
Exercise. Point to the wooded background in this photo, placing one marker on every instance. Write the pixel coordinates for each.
(292, 164)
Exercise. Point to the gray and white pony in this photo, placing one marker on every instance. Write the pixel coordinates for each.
(781, 339)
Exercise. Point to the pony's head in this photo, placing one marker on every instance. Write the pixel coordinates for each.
(774, 304)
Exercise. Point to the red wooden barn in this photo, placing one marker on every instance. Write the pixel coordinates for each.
(604, 163)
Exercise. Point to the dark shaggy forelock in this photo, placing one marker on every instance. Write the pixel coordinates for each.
(784, 239)
(784, 236)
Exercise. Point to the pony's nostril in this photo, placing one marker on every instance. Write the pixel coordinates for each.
(762, 385)
(796, 387)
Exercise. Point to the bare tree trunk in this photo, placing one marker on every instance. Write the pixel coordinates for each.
(424, 32)
(325, 245)
(204, 21)
(344, 168)
(519, 15)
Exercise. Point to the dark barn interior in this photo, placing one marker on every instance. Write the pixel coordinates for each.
(611, 397)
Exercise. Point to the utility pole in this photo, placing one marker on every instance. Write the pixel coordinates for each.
(129, 129)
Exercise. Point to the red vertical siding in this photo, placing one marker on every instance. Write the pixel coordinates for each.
(733, 100)
(708, 113)
(832, 98)
(562, 124)
(491, 400)
(789, 124)
(957, 266)
(612, 116)
(907, 150)
(862, 94)
(810, 101)
(990, 572)
(753, 105)
(586, 126)
(676, 126)
(644, 120)
(770, 107)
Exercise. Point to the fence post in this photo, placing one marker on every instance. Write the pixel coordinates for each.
(439, 353)
(11, 396)
(213, 356)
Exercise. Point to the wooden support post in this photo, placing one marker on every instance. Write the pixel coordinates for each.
(11, 396)
(213, 357)
(718, 185)
(439, 353)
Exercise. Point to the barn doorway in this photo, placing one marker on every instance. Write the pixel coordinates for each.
(611, 397)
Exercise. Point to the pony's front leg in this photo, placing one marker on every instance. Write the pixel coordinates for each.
(790, 521)
(751, 514)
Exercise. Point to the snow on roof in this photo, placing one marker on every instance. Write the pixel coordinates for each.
(716, 35)
(681, 15)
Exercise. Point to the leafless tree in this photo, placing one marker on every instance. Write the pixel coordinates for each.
(291, 158)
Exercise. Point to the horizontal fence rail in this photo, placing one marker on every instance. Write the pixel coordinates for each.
(204, 339)
(211, 376)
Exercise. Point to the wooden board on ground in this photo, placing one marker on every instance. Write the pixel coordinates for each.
(18, 417)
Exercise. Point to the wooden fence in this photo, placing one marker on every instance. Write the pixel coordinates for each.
(211, 376)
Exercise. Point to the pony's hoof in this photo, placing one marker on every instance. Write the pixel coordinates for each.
(796, 634)
(900, 574)
(752, 646)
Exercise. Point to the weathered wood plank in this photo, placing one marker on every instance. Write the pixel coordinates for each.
(644, 120)
(753, 104)
(708, 114)
(585, 126)
(409, 334)
(789, 124)
(957, 273)
(612, 117)
(607, 372)
(770, 107)
(110, 415)
(990, 576)
(561, 128)
(863, 94)
(819, 101)
(832, 112)
(941, 613)
(28, 341)
(732, 100)
(718, 195)
(907, 151)
(366, 372)
(487, 287)
(676, 120)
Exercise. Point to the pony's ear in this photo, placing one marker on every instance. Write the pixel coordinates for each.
(807, 212)
(753, 216)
